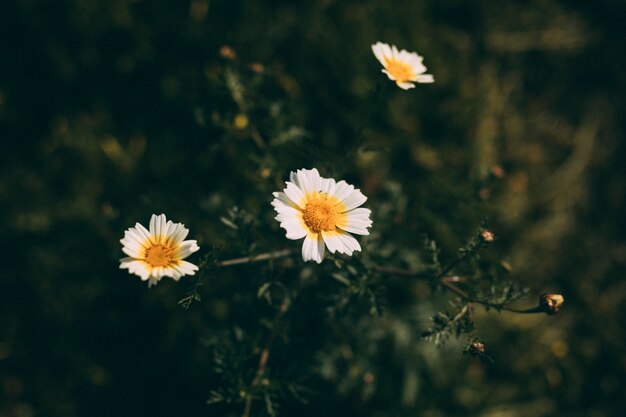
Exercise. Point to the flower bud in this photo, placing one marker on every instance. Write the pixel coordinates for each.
(476, 349)
(551, 303)
(487, 235)
(227, 52)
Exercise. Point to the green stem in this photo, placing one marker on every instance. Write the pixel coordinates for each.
(257, 258)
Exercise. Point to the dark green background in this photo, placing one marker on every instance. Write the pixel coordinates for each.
(111, 111)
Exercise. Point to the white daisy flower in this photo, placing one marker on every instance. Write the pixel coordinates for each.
(158, 252)
(322, 212)
(401, 66)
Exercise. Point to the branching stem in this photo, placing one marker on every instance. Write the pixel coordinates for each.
(446, 282)
(257, 258)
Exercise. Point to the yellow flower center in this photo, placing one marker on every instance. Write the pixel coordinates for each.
(159, 255)
(399, 70)
(320, 215)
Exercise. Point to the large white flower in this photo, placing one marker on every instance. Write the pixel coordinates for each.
(401, 66)
(322, 212)
(158, 252)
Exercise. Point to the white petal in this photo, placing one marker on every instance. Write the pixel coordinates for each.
(143, 232)
(342, 190)
(295, 194)
(125, 262)
(308, 180)
(132, 243)
(294, 228)
(359, 214)
(405, 86)
(314, 179)
(179, 234)
(357, 221)
(135, 267)
(134, 251)
(163, 227)
(286, 217)
(303, 181)
(349, 242)
(187, 248)
(154, 224)
(377, 48)
(287, 210)
(387, 52)
(425, 78)
(157, 272)
(333, 242)
(391, 77)
(132, 235)
(293, 177)
(175, 272)
(327, 185)
(354, 199)
(342, 241)
(169, 226)
(187, 268)
(282, 199)
(313, 248)
(288, 214)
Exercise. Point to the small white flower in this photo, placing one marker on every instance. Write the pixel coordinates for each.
(401, 66)
(322, 212)
(158, 252)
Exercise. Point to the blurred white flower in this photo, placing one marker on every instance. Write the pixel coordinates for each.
(401, 66)
(322, 212)
(158, 252)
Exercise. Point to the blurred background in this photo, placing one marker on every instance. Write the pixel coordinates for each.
(111, 111)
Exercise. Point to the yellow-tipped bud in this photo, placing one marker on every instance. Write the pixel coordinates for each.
(551, 303)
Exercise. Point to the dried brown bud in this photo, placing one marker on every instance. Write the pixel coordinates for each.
(497, 171)
(487, 235)
(227, 52)
(369, 378)
(484, 193)
(551, 303)
(476, 349)
(257, 67)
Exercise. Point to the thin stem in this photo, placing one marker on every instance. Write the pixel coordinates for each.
(466, 297)
(257, 258)
(264, 358)
(453, 264)
(448, 283)
(397, 271)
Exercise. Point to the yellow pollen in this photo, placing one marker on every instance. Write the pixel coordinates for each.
(320, 215)
(399, 70)
(159, 255)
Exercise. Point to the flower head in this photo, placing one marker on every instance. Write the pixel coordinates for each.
(159, 251)
(551, 303)
(401, 66)
(487, 235)
(322, 212)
